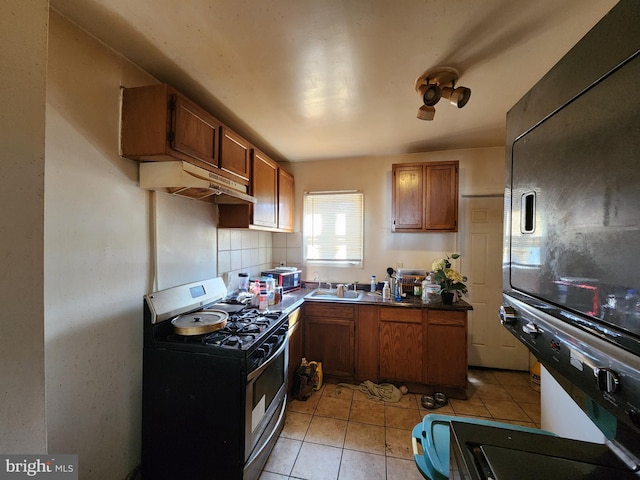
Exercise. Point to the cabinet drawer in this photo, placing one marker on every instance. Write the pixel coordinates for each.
(332, 310)
(440, 317)
(402, 315)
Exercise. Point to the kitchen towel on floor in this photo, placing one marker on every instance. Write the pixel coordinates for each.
(384, 392)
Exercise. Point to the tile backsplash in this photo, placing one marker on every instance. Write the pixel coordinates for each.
(253, 251)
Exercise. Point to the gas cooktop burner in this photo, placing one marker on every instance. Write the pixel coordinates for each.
(242, 329)
(226, 339)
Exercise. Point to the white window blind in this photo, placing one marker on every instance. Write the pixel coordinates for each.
(333, 228)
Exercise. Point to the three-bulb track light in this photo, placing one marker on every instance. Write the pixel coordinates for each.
(439, 82)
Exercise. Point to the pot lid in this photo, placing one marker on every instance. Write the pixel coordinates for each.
(198, 323)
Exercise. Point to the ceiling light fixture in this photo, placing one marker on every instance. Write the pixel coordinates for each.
(437, 83)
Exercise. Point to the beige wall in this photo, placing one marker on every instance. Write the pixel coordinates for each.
(23, 34)
(107, 243)
(481, 173)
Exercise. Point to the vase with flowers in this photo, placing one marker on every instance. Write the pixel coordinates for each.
(451, 281)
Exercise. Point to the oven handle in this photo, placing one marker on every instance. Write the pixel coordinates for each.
(268, 362)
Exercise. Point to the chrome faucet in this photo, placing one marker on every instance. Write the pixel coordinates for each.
(355, 286)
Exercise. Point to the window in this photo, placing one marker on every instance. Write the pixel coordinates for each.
(332, 228)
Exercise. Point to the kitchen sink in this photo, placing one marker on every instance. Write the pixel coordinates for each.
(324, 294)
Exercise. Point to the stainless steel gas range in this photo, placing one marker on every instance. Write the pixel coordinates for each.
(213, 401)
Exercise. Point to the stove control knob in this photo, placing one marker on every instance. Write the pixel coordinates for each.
(507, 315)
(607, 379)
(531, 328)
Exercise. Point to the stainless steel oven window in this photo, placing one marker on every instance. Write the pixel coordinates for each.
(266, 389)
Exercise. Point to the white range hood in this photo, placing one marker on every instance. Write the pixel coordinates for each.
(186, 180)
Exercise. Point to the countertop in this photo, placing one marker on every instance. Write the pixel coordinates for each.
(296, 298)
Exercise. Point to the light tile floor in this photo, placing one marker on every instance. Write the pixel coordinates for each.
(339, 434)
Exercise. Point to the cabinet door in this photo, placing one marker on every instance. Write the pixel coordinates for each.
(145, 123)
(285, 201)
(331, 342)
(367, 341)
(408, 197)
(296, 344)
(194, 132)
(234, 156)
(264, 186)
(401, 352)
(442, 197)
(447, 348)
(425, 197)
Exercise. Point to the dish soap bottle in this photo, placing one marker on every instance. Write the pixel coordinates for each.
(386, 292)
(271, 289)
(373, 283)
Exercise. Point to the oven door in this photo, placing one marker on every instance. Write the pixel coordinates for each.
(481, 452)
(265, 404)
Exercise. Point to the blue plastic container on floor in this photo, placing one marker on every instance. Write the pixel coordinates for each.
(433, 435)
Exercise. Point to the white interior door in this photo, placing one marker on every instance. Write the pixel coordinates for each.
(489, 343)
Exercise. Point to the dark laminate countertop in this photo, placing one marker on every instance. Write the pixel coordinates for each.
(296, 298)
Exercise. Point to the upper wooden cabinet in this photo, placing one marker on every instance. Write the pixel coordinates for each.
(159, 123)
(285, 201)
(425, 197)
(264, 186)
(274, 191)
(234, 160)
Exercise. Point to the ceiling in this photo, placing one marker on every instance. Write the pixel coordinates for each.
(320, 79)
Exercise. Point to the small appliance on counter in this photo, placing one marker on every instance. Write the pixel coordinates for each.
(411, 280)
(288, 278)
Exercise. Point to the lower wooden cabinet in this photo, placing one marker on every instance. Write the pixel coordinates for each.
(401, 345)
(447, 347)
(329, 331)
(423, 348)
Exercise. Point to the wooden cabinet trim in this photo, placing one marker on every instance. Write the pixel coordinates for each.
(401, 315)
(440, 317)
(367, 343)
(330, 310)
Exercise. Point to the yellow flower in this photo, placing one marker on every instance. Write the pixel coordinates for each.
(438, 265)
(454, 276)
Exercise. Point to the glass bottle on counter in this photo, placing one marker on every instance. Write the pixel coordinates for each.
(373, 283)
(255, 291)
(243, 282)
